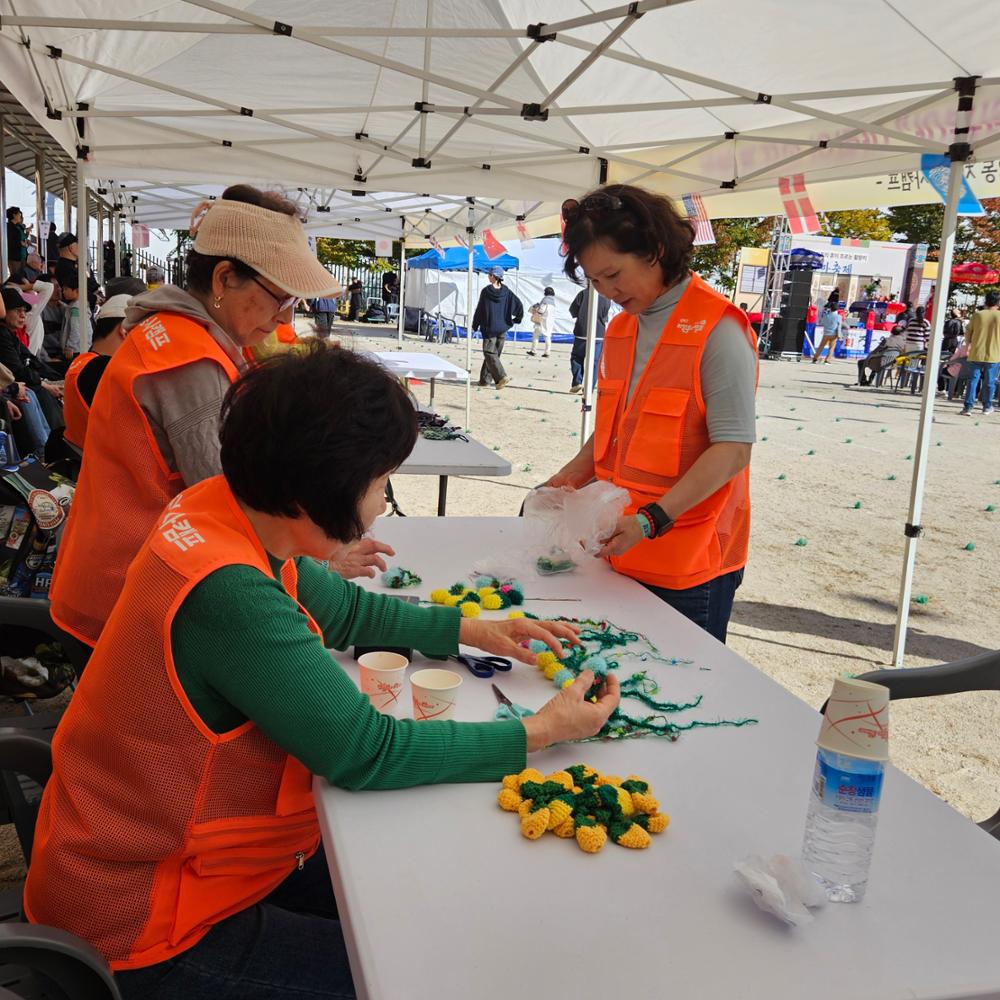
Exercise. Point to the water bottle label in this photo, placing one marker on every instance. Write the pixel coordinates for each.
(847, 791)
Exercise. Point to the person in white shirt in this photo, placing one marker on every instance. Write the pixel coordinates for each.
(831, 323)
(543, 316)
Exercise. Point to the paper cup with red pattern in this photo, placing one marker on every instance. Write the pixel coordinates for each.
(434, 694)
(382, 677)
(856, 721)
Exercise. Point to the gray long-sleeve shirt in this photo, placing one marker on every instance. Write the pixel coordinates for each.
(183, 404)
(728, 369)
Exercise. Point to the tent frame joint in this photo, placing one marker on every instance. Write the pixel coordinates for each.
(533, 112)
(728, 185)
(535, 33)
(420, 161)
(763, 98)
(959, 152)
(281, 28)
(730, 135)
(966, 85)
(913, 530)
(246, 112)
(423, 107)
(54, 51)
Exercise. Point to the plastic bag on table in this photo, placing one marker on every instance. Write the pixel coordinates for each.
(564, 524)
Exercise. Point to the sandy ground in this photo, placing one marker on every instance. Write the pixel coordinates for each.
(805, 613)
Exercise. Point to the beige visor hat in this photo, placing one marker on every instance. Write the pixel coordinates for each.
(272, 243)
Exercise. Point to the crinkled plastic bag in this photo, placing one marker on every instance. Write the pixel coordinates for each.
(564, 524)
(782, 886)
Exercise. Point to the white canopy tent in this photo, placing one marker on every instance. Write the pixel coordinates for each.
(704, 97)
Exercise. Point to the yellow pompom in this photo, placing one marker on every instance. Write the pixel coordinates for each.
(566, 829)
(551, 670)
(608, 779)
(451, 601)
(439, 596)
(534, 824)
(522, 809)
(511, 781)
(486, 591)
(625, 801)
(530, 774)
(515, 614)
(644, 802)
(567, 683)
(635, 837)
(658, 823)
(559, 812)
(470, 609)
(509, 799)
(545, 659)
(563, 778)
(491, 602)
(591, 838)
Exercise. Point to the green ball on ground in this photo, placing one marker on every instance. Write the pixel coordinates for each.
(921, 599)
(989, 508)
(782, 476)
(811, 451)
(970, 546)
(890, 477)
(800, 542)
(857, 505)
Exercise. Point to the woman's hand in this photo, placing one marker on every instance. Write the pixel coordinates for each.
(569, 716)
(22, 392)
(15, 413)
(628, 532)
(53, 389)
(504, 638)
(361, 558)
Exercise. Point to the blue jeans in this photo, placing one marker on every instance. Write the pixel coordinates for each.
(287, 945)
(35, 425)
(708, 605)
(578, 355)
(987, 370)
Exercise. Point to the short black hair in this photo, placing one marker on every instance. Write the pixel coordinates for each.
(102, 327)
(633, 220)
(12, 211)
(309, 431)
(200, 267)
(549, 290)
(992, 299)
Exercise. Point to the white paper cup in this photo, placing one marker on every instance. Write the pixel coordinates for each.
(434, 694)
(856, 720)
(382, 676)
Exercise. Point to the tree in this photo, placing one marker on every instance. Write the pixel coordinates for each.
(857, 224)
(917, 224)
(359, 254)
(719, 261)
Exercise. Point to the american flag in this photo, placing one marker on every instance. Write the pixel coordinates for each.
(695, 207)
(798, 206)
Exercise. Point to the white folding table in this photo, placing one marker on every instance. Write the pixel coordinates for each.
(440, 896)
(452, 458)
(418, 365)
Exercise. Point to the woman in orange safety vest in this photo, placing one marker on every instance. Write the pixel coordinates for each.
(177, 833)
(153, 426)
(675, 404)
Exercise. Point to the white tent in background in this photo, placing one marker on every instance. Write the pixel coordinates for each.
(704, 97)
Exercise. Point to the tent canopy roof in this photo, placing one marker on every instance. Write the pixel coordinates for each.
(681, 95)
(457, 259)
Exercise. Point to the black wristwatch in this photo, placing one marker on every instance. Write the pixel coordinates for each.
(662, 521)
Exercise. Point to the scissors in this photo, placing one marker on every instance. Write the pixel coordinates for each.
(506, 709)
(483, 666)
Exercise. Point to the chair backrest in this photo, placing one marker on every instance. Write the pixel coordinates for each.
(24, 755)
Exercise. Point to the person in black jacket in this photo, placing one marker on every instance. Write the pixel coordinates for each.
(578, 310)
(498, 310)
(24, 366)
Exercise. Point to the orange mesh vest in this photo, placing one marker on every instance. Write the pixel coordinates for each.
(75, 408)
(125, 481)
(648, 444)
(152, 827)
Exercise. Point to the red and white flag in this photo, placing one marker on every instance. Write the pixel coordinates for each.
(798, 206)
(695, 207)
(492, 246)
(436, 243)
(522, 234)
(461, 240)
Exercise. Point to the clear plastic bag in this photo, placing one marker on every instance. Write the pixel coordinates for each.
(564, 524)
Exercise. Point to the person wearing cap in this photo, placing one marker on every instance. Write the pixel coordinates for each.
(68, 268)
(497, 311)
(153, 427)
(85, 373)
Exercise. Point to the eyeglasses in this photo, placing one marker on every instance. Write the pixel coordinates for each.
(289, 302)
(599, 202)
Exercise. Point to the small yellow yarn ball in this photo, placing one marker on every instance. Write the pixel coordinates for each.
(486, 591)
(546, 659)
(451, 601)
(530, 774)
(551, 670)
(470, 609)
(658, 822)
(566, 829)
(491, 602)
(509, 799)
(439, 596)
(567, 683)
(559, 812)
(591, 838)
(635, 837)
(515, 614)
(534, 824)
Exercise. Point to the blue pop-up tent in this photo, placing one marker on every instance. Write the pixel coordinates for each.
(457, 259)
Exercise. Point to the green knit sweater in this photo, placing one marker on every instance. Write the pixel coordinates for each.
(242, 651)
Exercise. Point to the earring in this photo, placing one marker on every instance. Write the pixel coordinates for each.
(217, 303)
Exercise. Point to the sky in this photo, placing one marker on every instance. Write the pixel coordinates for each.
(22, 193)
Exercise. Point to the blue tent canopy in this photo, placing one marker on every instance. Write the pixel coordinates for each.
(457, 259)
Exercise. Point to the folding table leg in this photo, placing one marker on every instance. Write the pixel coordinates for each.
(432, 392)
(442, 494)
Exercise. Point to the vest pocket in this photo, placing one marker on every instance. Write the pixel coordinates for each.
(655, 446)
(609, 393)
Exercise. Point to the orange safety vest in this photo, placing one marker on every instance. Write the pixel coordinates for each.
(125, 481)
(647, 444)
(152, 827)
(75, 407)
(283, 333)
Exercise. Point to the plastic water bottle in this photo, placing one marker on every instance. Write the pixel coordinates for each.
(852, 750)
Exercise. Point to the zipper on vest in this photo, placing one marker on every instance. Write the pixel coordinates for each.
(300, 857)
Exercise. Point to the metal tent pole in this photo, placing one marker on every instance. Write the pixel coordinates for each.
(3, 203)
(470, 309)
(83, 242)
(402, 286)
(99, 241)
(958, 153)
(587, 403)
